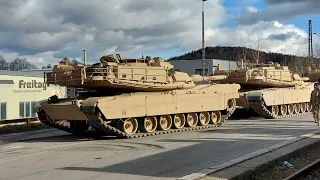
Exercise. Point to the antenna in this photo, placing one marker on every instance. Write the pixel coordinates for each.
(85, 64)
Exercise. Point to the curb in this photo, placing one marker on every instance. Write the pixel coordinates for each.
(259, 168)
(260, 152)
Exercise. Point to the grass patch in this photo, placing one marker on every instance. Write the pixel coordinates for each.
(298, 159)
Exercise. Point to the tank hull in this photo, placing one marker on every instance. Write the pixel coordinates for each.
(276, 103)
(145, 114)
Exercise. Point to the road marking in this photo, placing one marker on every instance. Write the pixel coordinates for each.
(238, 160)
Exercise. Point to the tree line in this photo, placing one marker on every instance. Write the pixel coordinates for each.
(22, 64)
(297, 64)
(16, 65)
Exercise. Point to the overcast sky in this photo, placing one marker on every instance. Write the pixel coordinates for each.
(45, 31)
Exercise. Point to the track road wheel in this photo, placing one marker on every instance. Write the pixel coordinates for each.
(192, 120)
(309, 107)
(78, 127)
(204, 118)
(303, 107)
(275, 110)
(297, 109)
(129, 126)
(149, 124)
(179, 121)
(165, 123)
(290, 109)
(216, 117)
(283, 109)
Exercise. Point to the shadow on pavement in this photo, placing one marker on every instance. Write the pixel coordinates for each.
(225, 144)
(55, 136)
(66, 138)
(199, 150)
(180, 162)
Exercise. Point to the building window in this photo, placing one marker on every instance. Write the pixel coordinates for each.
(26, 109)
(199, 71)
(3, 111)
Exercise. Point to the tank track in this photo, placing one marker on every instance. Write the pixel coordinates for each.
(260, 108)
(96, 120)
(61, 125)
(64, 125)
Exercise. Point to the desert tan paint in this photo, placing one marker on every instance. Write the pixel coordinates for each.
(64, 111)
(279, 96)
(157, 90)
(269, 75)
(198, 99)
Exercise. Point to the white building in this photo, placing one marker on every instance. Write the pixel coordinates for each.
(21, 89)
(195, 66)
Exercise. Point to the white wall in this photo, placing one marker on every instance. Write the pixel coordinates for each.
(189, 66)
(15, 93)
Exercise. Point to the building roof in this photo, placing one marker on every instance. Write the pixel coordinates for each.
(29, 73)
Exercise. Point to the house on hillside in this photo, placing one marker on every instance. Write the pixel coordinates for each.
(195, 66)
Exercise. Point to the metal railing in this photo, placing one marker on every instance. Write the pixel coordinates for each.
(123, 73)
(272, 74)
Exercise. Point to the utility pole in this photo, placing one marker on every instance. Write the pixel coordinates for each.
(310, 55)
(203, 49)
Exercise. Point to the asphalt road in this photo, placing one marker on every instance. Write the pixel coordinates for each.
(53, 154)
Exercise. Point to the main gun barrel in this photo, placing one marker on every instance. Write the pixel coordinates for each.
(199, 78)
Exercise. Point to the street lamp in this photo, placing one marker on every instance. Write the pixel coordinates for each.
(203, 50)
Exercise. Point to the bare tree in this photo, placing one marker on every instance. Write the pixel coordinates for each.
(20, 64)
(316, 55)
(243, 42)
(257, 45)
(74, 61)
(300, 63)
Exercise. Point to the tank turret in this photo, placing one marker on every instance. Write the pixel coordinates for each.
(124, 75)
(262, 75)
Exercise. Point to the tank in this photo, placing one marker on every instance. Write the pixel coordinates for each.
(271, 90)
(252, 76)
(131, 98)
(313, 72)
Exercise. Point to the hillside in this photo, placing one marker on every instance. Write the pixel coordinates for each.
(296, 64)
(237, 53)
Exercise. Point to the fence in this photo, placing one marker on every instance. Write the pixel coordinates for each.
(12, 121)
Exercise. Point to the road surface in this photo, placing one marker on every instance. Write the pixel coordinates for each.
(53, 154)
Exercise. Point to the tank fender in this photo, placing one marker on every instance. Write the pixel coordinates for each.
(255, 96)
(89, 105)
(38, 105)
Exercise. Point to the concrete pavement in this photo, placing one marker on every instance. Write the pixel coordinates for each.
(56, 155)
